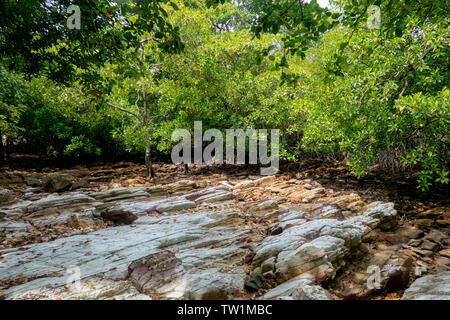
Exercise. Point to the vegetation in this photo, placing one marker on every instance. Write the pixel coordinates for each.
(137, 70)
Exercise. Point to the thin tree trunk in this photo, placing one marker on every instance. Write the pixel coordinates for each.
(148, 159)
(2, 149)
(7, 149)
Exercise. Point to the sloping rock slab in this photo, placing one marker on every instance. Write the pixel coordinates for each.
(200, 242)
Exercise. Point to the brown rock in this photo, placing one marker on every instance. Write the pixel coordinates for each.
(119, 216)
(153, 271)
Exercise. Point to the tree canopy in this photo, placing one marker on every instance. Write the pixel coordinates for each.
(332, 81)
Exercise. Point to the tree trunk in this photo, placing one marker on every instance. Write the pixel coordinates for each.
(148, 155)
(7, 149)
(148, 159)
(186, 168)
(2, 149)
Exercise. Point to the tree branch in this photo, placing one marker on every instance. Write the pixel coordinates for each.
(122, 109)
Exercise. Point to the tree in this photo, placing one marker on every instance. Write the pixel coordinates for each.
(35, 38)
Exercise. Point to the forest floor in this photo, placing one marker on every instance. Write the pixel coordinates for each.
(313, 231)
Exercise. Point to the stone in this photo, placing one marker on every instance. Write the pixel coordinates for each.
(120, 194)
(119, 216)
(57, 183)
(384, 212)
(53, 201)
(212, 284)
(325, 250)
(297, 289)
(429, 287)
(429, 245)
(154, 270)
(309, 195)
(253, 183)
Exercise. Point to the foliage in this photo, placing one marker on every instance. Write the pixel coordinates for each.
(139, 70)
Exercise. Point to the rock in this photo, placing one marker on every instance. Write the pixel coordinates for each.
(14, 226)
(215, 197)
(119, 216)
(193, 195)
(297, 289)
(154, 270)
(429, 245)
(322, 251)
(156, 191)
(211, 284)
(308, 195)
(253, 183)
(264, 206)
(182, 185)
(255, 281)
(274, 214)
(268, 265)
(384, 212)
(120, 194)
(445, 253)
(52, 201)
(430, 287)
(433, 213)
(436, 237)
(57, 183)
(175, 206)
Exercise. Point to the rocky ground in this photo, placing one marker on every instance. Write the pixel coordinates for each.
(214, 234)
